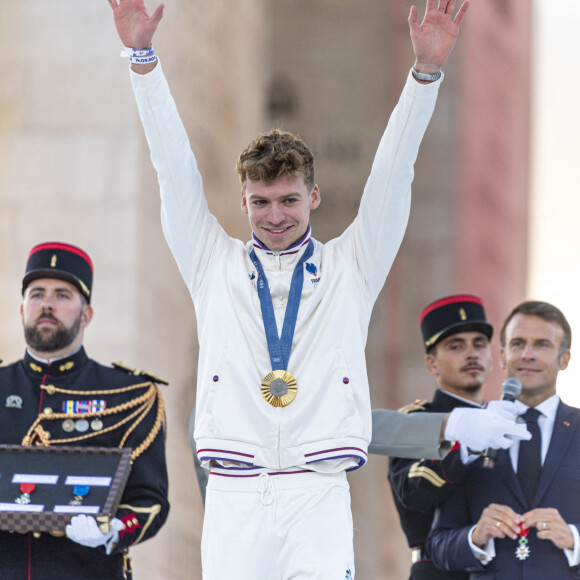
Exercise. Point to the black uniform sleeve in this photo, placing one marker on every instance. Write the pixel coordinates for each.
(422, 485)
(144, 506)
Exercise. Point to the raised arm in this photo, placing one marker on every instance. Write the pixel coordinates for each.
(135, 27)
(191, 232)
(434, 39)
(384, 210)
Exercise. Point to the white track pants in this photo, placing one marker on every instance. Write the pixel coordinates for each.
(279, 527)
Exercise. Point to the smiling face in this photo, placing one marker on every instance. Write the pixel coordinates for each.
(532, 354)
(461, 364)
(279, 212)
(54, 315)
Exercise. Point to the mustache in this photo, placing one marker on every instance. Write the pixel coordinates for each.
(48, 316)
(472, 365)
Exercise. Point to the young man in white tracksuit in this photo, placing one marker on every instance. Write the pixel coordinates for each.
(283, 408)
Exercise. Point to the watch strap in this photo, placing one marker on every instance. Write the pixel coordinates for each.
(426, 77)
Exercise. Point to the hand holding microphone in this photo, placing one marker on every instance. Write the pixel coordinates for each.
(511, 388)
(491, 428)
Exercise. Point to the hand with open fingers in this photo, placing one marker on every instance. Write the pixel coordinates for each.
(479, 429)
(551, 526)
(434, 39)
(84, 530)
(496, 521)
(134, 26)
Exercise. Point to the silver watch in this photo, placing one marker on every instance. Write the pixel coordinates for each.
(426, 77)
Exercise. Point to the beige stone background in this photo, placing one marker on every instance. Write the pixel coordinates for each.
(74, 166)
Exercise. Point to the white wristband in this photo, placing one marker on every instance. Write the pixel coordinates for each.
(128, 52)
(139, 56)
(142, 59)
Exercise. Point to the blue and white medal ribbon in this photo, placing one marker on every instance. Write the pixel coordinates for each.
(279, 387)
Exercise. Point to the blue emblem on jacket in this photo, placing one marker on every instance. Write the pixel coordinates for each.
(313, 271)
(311, 268)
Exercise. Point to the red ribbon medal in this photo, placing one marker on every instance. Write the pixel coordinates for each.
(523, 551)
(26, 489)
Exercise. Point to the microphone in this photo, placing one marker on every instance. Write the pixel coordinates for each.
(511, 388)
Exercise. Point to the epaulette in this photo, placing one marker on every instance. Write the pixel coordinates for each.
(416, 405)
(138, 373)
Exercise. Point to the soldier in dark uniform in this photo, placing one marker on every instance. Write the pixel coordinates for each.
(456, 335)
(56, 395)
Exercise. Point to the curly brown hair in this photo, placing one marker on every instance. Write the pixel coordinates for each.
(276, 154)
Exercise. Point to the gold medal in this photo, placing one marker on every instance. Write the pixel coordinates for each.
(279, 388)
(96, 424)
(68, 425)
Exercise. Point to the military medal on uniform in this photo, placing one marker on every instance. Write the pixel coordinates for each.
(78, 407)
(279, 387)
(523, 550)
(96, 424)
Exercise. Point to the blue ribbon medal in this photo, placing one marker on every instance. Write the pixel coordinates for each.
(79, 493)
(279, 387)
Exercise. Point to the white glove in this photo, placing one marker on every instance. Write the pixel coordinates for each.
(85, 531)
(494, 427)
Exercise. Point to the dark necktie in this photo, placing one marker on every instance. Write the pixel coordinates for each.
(530, 456)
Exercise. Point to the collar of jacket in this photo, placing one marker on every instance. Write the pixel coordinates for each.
(284, 259)
(60, 367)
(445, 402)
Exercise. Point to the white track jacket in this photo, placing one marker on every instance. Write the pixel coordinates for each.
(328, 425)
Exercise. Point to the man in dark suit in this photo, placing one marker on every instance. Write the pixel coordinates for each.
(456, 337)
(520, 520)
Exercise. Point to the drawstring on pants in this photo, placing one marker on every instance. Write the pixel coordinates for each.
(267, 491)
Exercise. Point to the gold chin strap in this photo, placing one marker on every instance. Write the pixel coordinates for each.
(431, 341)
(142, 404)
